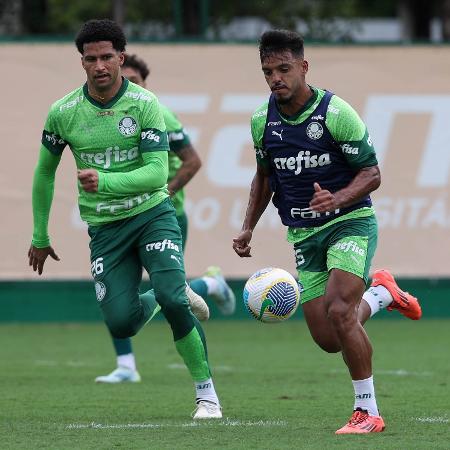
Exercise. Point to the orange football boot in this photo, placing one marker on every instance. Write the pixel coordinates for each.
(404, 302)
(361, 422)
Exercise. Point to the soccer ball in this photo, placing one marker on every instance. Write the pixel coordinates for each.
(271, 295)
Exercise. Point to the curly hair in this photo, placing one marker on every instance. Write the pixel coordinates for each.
(136, 63)
(276, 41)
(97, 30)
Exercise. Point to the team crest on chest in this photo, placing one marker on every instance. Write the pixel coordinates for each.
(127, 126)
(314, 130)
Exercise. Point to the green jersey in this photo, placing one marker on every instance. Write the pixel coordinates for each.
(110, 138)
(178, 139)
(124, 140)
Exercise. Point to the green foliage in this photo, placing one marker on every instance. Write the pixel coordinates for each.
(144, 19)
(321, 17)
(66, 16)
(278, 390)
(150, 10)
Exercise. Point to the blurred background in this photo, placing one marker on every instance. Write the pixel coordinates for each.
(235, 20)
(389, 59)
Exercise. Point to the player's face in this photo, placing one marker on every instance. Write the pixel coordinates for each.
(133, 75)
(285, 75)
(102, 65)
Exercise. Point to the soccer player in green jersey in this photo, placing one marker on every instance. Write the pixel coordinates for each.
(184, 163)
(117, 135)
(316, 162)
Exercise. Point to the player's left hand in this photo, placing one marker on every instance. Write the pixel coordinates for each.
(241, 244)
(323, 200)
(88, 179)
(37, 257)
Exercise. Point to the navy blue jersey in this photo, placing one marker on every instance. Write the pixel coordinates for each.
(300, 153)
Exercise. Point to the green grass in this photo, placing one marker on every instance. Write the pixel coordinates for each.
(278, 390)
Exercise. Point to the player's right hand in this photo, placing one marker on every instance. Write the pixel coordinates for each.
(241, 244)
(37, 257)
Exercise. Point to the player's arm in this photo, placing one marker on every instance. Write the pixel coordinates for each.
(191, 164)
(152, 175)
(180, 145)
(260, 191)
(259, 198)
(42, 197)
(351, 135)
(365, 181)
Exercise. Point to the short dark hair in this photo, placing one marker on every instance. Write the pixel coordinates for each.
(97, 30)
(276, 41)
(136, 63)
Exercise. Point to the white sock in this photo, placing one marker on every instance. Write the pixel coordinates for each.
(127, 361)
(212, 285)
(365, 396)
(378, 297)
(204, 390)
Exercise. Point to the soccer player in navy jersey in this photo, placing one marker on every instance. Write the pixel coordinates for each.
(316, 162)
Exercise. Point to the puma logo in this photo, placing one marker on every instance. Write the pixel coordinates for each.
(176, 259)
(275, 133)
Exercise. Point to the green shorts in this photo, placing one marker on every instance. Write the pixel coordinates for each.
(121, 249)
(348, 245)
(183, 223)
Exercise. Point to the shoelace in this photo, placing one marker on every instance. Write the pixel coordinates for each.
(358, 417)
(210, 407)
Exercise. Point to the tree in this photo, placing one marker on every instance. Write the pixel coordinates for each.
(445, 14)
(10, 17)
(35, 16)
(191, 17)
(415, 16)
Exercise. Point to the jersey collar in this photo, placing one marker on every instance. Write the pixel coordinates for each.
(304, 108)
(112, 102)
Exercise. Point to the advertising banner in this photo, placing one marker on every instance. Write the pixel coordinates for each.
(402, 93)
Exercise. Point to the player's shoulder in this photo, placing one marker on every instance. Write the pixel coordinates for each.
(260, 113)
(341, 108)
(343, 122)
(68, 102)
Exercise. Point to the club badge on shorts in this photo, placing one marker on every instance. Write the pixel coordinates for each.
(100, 290)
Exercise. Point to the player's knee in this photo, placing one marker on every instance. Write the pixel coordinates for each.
(175, 308)
(177, 312)
(341, 314)
(122, 330)
(122, 326)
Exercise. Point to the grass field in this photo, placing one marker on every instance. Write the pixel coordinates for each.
(278, 390)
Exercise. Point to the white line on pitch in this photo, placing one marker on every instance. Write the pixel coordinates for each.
(69, 363)
(432, 419)
(397, 372)
(224, 423)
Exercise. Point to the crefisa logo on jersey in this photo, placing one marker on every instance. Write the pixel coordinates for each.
(127, 126)
(314, 130)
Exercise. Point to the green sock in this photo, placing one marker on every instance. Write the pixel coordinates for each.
(193, 352)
